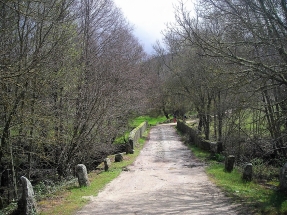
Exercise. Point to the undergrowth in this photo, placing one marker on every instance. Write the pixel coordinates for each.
(69, 199)
(262, 197)
(152, 121)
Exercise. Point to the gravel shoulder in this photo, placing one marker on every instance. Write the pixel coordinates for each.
(164, 179)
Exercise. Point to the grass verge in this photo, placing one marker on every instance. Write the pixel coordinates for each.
(261, 198)
(70, 199)
(152, 121)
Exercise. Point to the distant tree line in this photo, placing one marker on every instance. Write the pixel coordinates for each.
(71, 73)
(229, 64)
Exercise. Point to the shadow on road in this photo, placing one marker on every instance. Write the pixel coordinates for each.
(165, 179)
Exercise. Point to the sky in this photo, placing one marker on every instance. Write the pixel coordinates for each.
(149, 18)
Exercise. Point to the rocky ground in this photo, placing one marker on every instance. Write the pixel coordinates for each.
(165, 179)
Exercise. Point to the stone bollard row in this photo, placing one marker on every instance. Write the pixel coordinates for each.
(27, 203)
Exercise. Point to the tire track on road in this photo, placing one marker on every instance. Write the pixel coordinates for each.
(164, 179)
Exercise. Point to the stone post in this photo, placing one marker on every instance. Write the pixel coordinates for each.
(213, 147)
(129, 147)
(247, 173)
(219, 147)
(1, 203)
(283, 178)
(118, 157)
(27, 203)
(229, 163)
(82, 175)
(107, 163)
(132, 144)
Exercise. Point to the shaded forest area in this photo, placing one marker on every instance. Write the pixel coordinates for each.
(228, 63)
(71, 76)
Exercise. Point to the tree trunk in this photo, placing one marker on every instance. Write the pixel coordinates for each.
(14, 179)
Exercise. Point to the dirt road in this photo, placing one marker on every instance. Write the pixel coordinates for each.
(165, 179)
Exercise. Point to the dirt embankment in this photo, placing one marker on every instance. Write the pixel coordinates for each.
(165, 179)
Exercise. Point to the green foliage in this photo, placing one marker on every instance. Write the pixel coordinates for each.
(47, 188)
(123, 138)
(264, 171)
(10, 209)
(136, 122)
(199, 153)
(151, 120)
(261, 198)
(71, 198)
(219, 157)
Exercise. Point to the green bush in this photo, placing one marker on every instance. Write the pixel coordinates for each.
(219, 157)
(263, 171)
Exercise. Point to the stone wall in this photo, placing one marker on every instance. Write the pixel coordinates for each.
(137, 133)
(195, 137)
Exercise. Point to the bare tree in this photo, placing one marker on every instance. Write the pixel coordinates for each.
(71, 74)
(239, 50)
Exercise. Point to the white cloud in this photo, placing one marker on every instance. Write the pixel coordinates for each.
(149, 18)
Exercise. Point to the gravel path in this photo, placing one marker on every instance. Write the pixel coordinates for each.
(165, 179)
